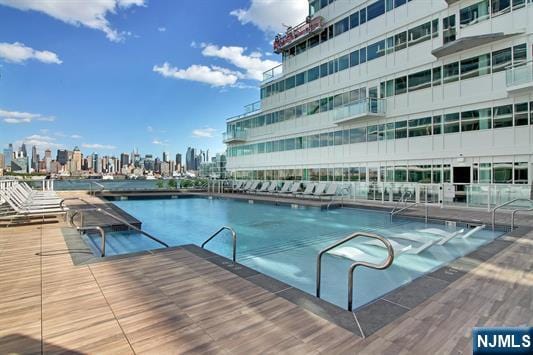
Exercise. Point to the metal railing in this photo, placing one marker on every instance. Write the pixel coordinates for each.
(91, 192)
(234, 135)
(344, 188)
(366, 106)
(119, 219)
(519, 74)
(493, 212)
(386, 263)
(513, 214)
(272, 73)
(233, 237)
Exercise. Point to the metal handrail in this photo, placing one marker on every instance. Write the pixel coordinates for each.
(344, 188)
(394, 213)
(102, 187)
(75, 198)
(515, 212)
(493, 212)
(102, 235)
(233, 236)
(384, 265)
(121, 220)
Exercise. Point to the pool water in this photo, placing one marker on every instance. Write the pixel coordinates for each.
(283, 242)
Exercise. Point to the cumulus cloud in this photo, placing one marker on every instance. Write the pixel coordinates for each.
(19, 53)
(15, 117)
(213, 76)
(75, 136)
(91, 14)
(206, 132)
(162, 29)
(98, 146)
(252, 63)
(40, 141)
(270, 15)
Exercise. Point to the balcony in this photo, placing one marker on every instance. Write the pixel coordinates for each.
(234, 137)
(519, 77)
(272, 74)
(249, 109)
(364, 108)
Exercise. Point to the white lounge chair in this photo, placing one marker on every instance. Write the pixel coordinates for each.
(285, 188)
(264, 187)
(273, 187)
(253, 187)
(294, 189)
(330, 191)
(320, 189)
(29, 210)
(246, 186)
(309, 188)
(463, 236)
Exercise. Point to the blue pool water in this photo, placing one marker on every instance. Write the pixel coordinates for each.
(283, 242)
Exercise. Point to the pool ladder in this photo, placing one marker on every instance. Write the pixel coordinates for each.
(233, 237)
(513, 213)
(385, 264)
(101, 231)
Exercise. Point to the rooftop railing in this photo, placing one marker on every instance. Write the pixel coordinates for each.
(361, 108)
(248, 110)
(519, 75)
(273, 73)
(233, 136)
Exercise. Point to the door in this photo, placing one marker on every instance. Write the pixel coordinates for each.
(461, 178)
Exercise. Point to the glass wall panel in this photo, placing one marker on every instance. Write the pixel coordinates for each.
(503, 173)
(476, 66)
(501, 59)
(503, 116)
(475, 120)
(521, 114)
(520, 173)
(420, 80)
(451, 122)
(450, 72)
(475, 13)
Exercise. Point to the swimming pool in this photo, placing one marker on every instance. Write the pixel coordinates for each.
(283, 242)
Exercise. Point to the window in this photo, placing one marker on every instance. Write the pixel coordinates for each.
(376, 9)
(520, 173)
(501, 59)
(387, 88)
(436, 174)
(313, 141)
(500, 7)
(420, 80)
(435, 28)
(437, 76)
(519, 53)
(289, 83)
(344, 62)
(376, 50)
(389, 45)
(300, 47)
(503, 116)
(448, 25)
(337, 101)
(313, 74)
(400, 41)
(400, 174)
(313, 107)
(354, 20)
(337, 138)
(300, 79)
(389, 130)
(451, 123)
(400, 85)
(323, 140)
(362, 16)
(475, 120)
(372, 133)
(451, 72)
(323, 70)
(342, 26)
(362, 55)
(354, 58)
(420, 33)
(358, 135)
(420, 127)
(502, 173)
(521, 114)
(437, 124)
(313, 41)
(401, 129)
(399, 2)
(475, 13)
(517, 4)
(476, 66)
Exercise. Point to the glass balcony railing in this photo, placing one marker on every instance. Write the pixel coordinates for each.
(234, 136)
(519, 76)
(358, 109)
(248, 110)
(273, 73)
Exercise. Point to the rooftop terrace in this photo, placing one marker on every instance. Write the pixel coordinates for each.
(57, 299)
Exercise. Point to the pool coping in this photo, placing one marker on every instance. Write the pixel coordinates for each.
(364, 320)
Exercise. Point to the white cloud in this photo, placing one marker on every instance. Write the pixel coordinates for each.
(19, 53)
(98, 146)
(150, 129)
(271, 15)
(76, 136)
(23, 117)
(162, 29)
(207, 132)
(92, 14)
(40, 141)
(213, 76)
(252, 63)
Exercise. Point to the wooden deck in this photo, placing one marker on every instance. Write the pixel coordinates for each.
(177, 302)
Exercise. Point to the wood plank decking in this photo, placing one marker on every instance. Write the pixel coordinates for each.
(177, 302)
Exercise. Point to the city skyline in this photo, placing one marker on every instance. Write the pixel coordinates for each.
(138, 76)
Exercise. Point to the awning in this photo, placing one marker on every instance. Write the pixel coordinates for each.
(465, 43)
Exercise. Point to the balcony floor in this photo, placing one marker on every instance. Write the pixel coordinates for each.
(176, 301)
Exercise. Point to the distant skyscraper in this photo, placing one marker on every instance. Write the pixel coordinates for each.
(76, 159)
(178, 159)
(8, 157)
(1, 161)
(149, 162)
(47, 153)
(97, 165)
(62, 156)
(23, 150)
(34, 159)
(165, 156)
(124, 160)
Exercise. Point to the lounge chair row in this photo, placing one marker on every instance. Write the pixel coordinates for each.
(21, 200)
(288, 188)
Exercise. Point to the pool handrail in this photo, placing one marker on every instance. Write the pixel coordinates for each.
(119, 219)
(102, 187)
(233, 237)
(493, 212)
(386, 263)
(513, 214)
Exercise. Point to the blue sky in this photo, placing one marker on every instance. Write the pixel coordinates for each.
(107, 76)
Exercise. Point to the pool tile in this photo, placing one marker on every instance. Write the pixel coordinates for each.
(416, 291)
(268, 283)
(377, 315)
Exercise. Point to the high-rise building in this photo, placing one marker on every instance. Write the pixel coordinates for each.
(165, 156)
(8, 156)
(96, 164)
(76, 159)
(124, 160)
(34, 159)
(395, 91)
(149, 162)
(23, 151)
(2, 166)
(178, 159)
(20, 165)
(62, 157)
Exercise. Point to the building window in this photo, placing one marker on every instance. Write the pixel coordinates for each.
(354, 20)
(500, 7)
(451, 123)
(501, 59)
(376, 9)
(475, 13)
(476, 120)
(376, 50)
(449, 32)
(420, 80)
(401, 129)
(358, 135)
(520, 54)
(313, 74)
(354, 58)
(420, 127)
(521, 114)
(342, 26)
(451, 72)
(400, 41)
(520, 173)
(503, 116)
(344, 62)
(400, 85)
(314, 41)
(476, 66)
(420, 33)
(372, 133)
(437, 76)
(503, 173)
